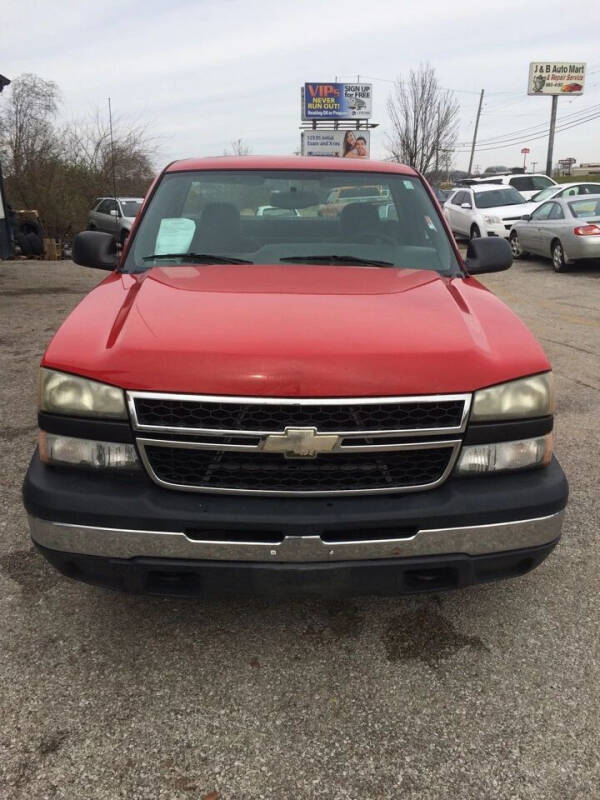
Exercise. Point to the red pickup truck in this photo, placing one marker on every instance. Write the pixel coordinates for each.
(260, 403)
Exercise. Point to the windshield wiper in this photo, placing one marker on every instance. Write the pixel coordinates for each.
(332, 258)
(204, 258)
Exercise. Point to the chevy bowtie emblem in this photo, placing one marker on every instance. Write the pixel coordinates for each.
(299, 443)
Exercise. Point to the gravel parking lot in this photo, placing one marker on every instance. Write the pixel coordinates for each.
(490, 692)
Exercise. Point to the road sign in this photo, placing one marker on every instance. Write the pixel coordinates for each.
(526, 150)
(554, 78)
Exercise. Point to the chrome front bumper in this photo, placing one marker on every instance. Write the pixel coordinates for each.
(122, 543)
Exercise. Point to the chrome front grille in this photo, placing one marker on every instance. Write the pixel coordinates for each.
(256, 417)
(298, 446)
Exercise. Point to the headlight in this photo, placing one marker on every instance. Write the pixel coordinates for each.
(62, 393)
(492, 220)
(520, 399)
(503, 456)
(86, 452)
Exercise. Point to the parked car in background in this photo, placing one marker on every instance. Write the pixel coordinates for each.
(274, 211)
(526, 184)
(345, 195)
(563, 229)
(441, 194)
(114, 215)
(485, 210)
(566, 190)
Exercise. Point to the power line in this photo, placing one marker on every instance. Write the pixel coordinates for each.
(532, 138)
(534, 128)
(445, 88)
(504, 145)
(539, 135)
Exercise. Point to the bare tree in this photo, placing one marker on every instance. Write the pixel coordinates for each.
(238, 148)
(88, 146)
(424, 119)
(59, 170)
(27, 139)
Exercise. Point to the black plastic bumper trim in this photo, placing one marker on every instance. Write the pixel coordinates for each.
(209, 578)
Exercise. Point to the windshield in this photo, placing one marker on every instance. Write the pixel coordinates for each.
(545, 194)
(130, 207)
(285, 216)
(498, 197)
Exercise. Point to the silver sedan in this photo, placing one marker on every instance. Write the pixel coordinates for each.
(563, 229)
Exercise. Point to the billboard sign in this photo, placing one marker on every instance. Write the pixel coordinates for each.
(551, 77)
(337, 144)
(337, 101)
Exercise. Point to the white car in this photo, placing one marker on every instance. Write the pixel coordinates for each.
(526, 184)
(275, 211)
(565, 190)
(485, 210)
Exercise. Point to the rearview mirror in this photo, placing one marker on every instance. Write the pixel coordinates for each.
(465, 205)
(95, 249)
(488, 255)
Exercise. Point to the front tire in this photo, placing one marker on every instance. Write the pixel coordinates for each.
(515, 246)
(558, 257)
(475, 232)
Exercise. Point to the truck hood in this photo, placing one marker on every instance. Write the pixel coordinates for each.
(294, 331)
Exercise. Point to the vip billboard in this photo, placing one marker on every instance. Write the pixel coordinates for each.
(337, 101)
(340, 144)
(551, 77)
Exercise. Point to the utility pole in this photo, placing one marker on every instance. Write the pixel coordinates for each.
(551, 136)
(533, 163)
(5, 232)
(112, 150)
(437, 144)
(475, 132)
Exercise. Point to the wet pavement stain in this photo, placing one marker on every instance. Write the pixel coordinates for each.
(52, 742)
(30, 571)
(425, 635)
(344, 620)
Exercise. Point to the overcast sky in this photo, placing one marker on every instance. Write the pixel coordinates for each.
(203, 73)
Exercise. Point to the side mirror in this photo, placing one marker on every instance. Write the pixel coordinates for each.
(488, 255)
(465, 205)
(95, 249)
(114, 213)
(526, 217)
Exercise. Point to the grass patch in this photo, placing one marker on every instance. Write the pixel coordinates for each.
(578, 179)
